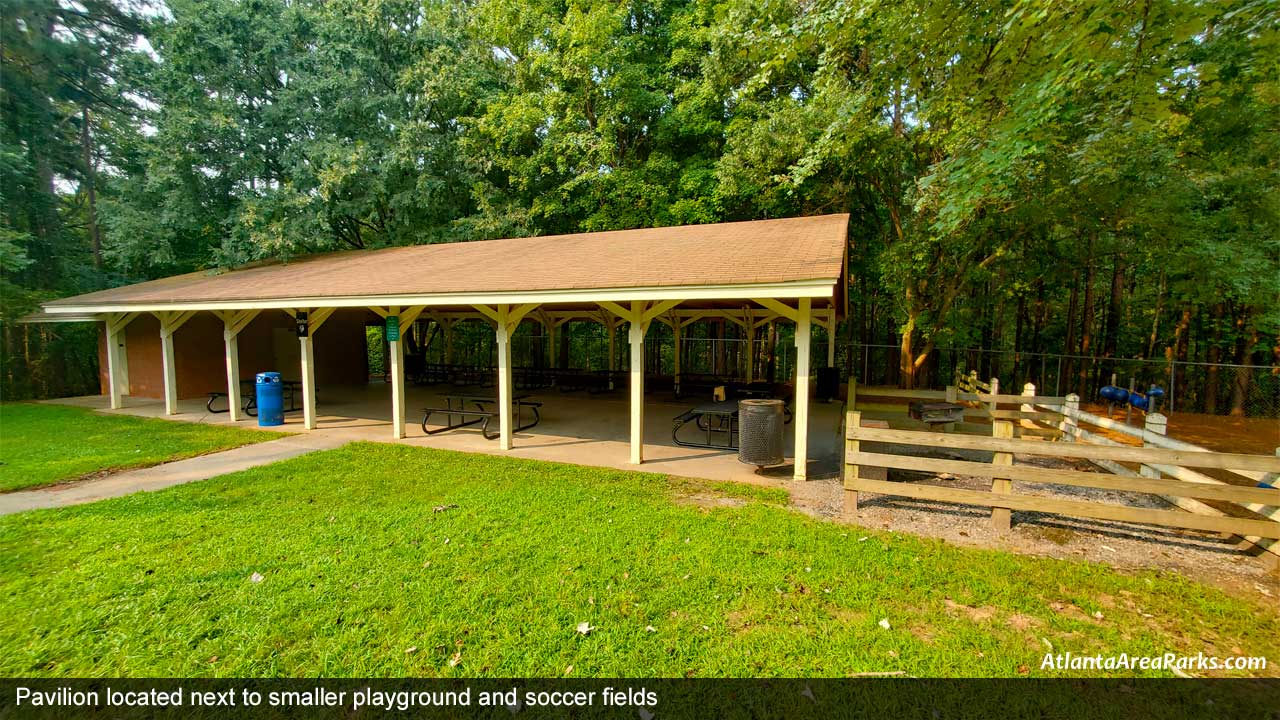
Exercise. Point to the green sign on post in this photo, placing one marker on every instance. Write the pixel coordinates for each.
(393, 328)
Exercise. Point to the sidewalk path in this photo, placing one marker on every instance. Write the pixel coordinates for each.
(169, 474)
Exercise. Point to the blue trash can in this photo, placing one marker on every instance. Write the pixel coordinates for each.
(270, 399)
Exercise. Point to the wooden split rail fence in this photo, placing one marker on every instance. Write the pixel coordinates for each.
(1164, 467)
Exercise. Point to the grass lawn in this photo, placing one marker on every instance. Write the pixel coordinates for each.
(374, 560)
(46, 444)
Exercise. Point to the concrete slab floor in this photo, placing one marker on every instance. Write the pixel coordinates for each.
(578, 428)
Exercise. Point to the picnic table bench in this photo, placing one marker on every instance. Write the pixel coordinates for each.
(483, 412)
(934, 414)
(719, 420)
(249, 398)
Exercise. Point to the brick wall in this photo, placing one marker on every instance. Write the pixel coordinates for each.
(268, 343)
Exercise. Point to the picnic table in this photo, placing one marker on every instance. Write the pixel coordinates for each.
(482, 412)
(249, 397)
(718, 419)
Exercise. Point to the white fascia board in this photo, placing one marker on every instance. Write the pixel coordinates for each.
(796, 289)
(73, 317)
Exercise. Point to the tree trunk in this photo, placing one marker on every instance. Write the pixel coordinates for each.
(1073, 307)
(90, 180)
(1246, 342)
(1213, 356)
(1155, 320)
(1111, 336)
(1086, 327)
(906, 369)
(1176, 351)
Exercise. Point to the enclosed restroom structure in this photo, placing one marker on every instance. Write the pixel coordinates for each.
(191, 335)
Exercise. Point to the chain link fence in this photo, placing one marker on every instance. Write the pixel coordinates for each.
(1195, 387)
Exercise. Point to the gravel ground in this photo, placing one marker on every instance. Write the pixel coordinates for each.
(1204, 556)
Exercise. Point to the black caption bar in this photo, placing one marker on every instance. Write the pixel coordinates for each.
(640, 699)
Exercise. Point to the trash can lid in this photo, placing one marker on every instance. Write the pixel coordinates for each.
(268, 377)
(759, 402)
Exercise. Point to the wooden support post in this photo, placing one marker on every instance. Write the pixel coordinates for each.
(676, 329)
(995, 390)
(306, 352)
(1158, 424)
(801, 419)
(551, 343)
(115, 360)
(750, 354)
(636, 337)
(611, 327)
(1028, 389)
(395, 354)
(951, 397)
(1001, 518)
(169, 324)
(448, 340)
(831, 339)
(170, 373)
(504, 377)
(1069, 426)
(232, 323)
(1128, 406)
(231, 346)
(852, 420)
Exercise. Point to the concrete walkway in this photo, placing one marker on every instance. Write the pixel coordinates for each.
(169, 474)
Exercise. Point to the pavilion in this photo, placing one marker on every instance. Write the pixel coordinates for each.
(314, 308)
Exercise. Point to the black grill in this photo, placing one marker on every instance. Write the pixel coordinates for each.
(760, 432)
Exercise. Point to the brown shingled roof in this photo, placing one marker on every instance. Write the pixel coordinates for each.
(740, 253)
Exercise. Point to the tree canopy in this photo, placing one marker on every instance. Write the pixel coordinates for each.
(1096, 179)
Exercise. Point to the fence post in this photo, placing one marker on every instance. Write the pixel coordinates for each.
(1158, 424)
(1069, 427)
(1001, 518)
(995, 390)
(852, 421)
(1128, 406)
(1028, 390)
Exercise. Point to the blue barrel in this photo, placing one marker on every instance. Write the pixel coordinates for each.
(270, 399)
(1114, 394)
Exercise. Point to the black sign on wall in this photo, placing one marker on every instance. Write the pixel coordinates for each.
(303, 328)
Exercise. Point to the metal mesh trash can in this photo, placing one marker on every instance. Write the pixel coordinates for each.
(760, 432)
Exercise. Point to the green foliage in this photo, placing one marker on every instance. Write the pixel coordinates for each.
(361, 578)
(998, 159)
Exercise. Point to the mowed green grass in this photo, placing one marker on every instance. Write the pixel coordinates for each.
(379, 560)
(45, 444)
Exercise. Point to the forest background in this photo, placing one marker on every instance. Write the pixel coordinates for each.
(1029, 181)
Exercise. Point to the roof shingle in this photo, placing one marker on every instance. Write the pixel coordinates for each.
(762, 251)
